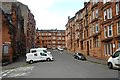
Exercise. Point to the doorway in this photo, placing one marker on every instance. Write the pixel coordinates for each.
(88, 48)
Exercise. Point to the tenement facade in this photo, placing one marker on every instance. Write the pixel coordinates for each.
(50, 38)
(95, 29)
(17, 29)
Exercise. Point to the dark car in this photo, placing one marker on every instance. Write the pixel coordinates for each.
(79, 56)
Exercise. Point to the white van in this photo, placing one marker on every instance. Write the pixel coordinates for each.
(39, 50)
(38, 56)
(114, 60)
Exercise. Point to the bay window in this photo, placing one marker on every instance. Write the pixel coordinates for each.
(108, 49)
(107, 14)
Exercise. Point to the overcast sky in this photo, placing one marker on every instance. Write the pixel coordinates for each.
(52, 14)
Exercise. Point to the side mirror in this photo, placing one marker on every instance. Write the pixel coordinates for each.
(113, 56)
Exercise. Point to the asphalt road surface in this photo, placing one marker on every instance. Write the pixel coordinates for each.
(64, 66)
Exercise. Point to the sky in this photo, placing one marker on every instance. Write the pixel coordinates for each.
(53, 14)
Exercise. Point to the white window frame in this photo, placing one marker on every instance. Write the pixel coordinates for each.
(96, 13)
(83, 34)
(110, 45)
(63, 38)
(49, 34)
(117, 8)
(105, 15)
(42, 34)
(96, 1)
(111, 31)
(97, 27)
(59, 42)
(104, 1)
(109, 13)
(54, 37)
(59, 38)
(54, 42)
(105, 49)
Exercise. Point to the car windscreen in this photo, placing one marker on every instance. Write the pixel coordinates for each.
(45, 51)
(80, 54)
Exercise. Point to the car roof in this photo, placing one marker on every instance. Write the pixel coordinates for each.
(78, 53)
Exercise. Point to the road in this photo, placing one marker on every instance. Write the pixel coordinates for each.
(64, 66)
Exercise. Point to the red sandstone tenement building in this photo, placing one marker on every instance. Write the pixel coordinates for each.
(18, 30)
(50, 38)
(95, 29)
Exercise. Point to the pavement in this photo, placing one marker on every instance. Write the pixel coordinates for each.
(18, 63)
(93, 59)
(21, 62)
(96, 60)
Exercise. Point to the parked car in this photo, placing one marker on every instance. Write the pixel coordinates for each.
(53, 48)
(38, 56)
(114, 60)
(61, 49)
(79, 56)
(33, 50)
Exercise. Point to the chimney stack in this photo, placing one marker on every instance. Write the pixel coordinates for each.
(85, 4)
(68, 18)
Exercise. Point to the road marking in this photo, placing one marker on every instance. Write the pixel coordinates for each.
(7, 72)
(17, 72)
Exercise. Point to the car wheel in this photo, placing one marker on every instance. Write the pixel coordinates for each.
(110, 66)
(48, 59)
(31, 62)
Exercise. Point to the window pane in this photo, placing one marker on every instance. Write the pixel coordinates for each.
(118, 27)
(5, 49)
(105, 15)
(105, 32)
(105, 49)
(118, 44)
(111, 52)
(96, 28)
(96, 13)
(110, 30)
(117, 8)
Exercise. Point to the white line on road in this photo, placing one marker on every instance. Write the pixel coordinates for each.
(21, 71)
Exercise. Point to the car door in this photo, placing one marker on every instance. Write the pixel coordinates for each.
(36, 57)
(43, 56)
(116, 58)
